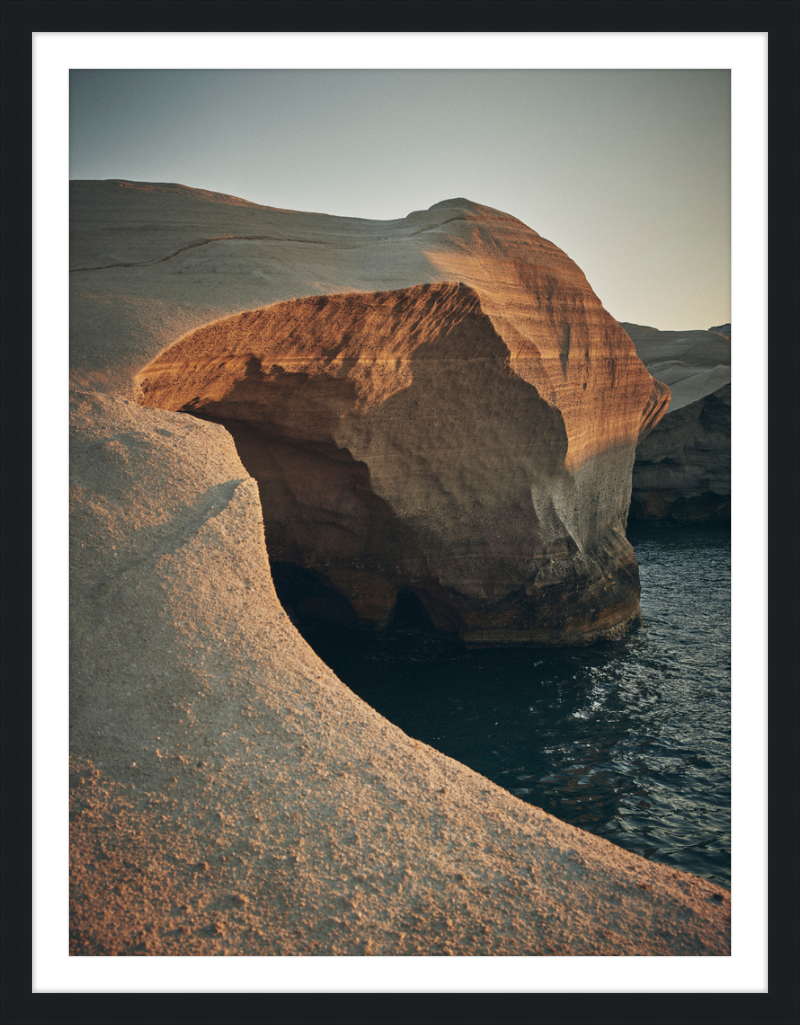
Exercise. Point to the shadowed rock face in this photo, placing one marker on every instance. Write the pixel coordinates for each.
(683, 468)
(400, 443)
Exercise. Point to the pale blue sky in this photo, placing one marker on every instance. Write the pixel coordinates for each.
(627, 171)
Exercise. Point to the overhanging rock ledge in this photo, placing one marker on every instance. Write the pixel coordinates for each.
(469, 438)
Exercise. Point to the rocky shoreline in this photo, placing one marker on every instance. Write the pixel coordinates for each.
(228, 794)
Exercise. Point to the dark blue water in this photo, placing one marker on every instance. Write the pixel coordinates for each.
(629, 740)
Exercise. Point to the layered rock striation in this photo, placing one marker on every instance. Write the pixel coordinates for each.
(683, 467)
(470, 441)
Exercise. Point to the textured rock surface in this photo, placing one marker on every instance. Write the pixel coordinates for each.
(683, 467)
(471, 440)
(229, 795)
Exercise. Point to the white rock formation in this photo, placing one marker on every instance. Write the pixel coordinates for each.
(471, 441)
(229, 795)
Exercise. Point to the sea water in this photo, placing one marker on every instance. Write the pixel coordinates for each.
(629, 740)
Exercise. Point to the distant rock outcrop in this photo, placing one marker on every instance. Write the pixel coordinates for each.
(683, 468)
(469, 440)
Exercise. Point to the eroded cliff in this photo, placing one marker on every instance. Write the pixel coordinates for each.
(397, 446)
(471, 441)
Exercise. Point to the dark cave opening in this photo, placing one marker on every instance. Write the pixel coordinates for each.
(328, 623)
(409, 615)
(309, 601)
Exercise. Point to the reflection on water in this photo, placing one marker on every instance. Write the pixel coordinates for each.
(629, 740)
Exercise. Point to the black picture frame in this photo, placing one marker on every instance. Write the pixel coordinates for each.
(781, 19)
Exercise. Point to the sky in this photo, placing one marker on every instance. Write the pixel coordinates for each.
(627, 171)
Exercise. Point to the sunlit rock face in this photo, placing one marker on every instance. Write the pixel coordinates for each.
(683, 468)
(469, 439)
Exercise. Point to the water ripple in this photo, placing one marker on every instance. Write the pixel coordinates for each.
(630, 740)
